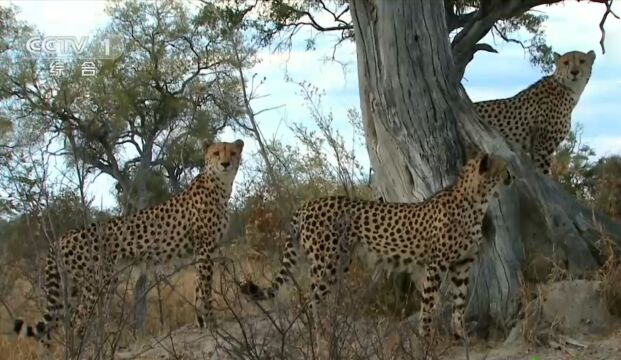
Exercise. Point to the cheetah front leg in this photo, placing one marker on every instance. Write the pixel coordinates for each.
(544, 146)
(204, 277)
(459, 273)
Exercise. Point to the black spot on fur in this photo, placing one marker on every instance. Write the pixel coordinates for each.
(458, 282)
(17, 325)
(250, 288)
(40, 327)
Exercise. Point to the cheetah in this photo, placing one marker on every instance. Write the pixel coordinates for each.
(539, 117)
(188, 225)
(440, 234)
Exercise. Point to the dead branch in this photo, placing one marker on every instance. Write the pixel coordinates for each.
(603, 21)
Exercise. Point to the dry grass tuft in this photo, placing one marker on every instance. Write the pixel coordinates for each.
(170, 303)
(610, 275)
(535, 330)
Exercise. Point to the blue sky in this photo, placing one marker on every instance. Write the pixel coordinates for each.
(571, 26)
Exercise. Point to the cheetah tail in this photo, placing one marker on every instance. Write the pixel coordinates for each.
(22, 329)
(41, 330)
(289, 261)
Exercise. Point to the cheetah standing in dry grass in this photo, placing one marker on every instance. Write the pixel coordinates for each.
(539, 117)
(440, 234)
(188, 225)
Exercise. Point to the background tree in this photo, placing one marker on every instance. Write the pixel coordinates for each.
(426, 46)
(594, 182)
(142, 119)
(573, 166)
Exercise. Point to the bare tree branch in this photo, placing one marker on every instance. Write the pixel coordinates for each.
(603, 21)
(463, 45)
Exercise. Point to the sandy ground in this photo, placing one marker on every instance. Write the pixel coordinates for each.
(192, 343)
(603, 348)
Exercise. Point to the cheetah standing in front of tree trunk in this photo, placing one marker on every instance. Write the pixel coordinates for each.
(539, 117)
(438, 235)
(83, 263)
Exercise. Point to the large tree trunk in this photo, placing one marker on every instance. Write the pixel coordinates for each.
(141, 287)
(415, 117)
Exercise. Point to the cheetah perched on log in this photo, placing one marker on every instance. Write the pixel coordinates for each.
(440, 234)
(539, 117)
(188, 225)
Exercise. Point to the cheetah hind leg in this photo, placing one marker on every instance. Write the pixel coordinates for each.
(431, 286)
(323, 281)
(204, 312)
(322, 319)
(94, 296)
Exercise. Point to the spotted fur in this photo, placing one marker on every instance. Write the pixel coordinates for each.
(539, 117)
(81, 266)
(441, 234)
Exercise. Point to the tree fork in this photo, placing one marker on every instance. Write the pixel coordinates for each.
(416, 116)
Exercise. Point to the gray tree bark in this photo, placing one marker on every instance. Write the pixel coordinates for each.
(141, 287)
(417, 117)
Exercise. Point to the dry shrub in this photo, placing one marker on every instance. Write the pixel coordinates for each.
(534, 329)
(170, 305)
(23, 349)
(345, 328)
(612, 290)
(610, 275)
(391, 295)
(264, 223)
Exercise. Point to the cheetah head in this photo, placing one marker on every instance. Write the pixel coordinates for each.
(223, 157)
(573, 69)
(486, 171)
(495, 169)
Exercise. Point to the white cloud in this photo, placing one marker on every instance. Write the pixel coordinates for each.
(63, 17)
(604, 145)
(574, 26)
(313, 66)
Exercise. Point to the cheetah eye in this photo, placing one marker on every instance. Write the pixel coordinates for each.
(566, 62)
(581, 61)
(216, 153)
(233, 153)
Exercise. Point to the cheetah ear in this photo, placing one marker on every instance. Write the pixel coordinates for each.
(471, 151)
(239, 143)
(205, 145)
(485, 165)
(591, 54)
(555, 55)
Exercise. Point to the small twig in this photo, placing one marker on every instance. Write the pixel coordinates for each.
(603, 21)
(8, 309)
